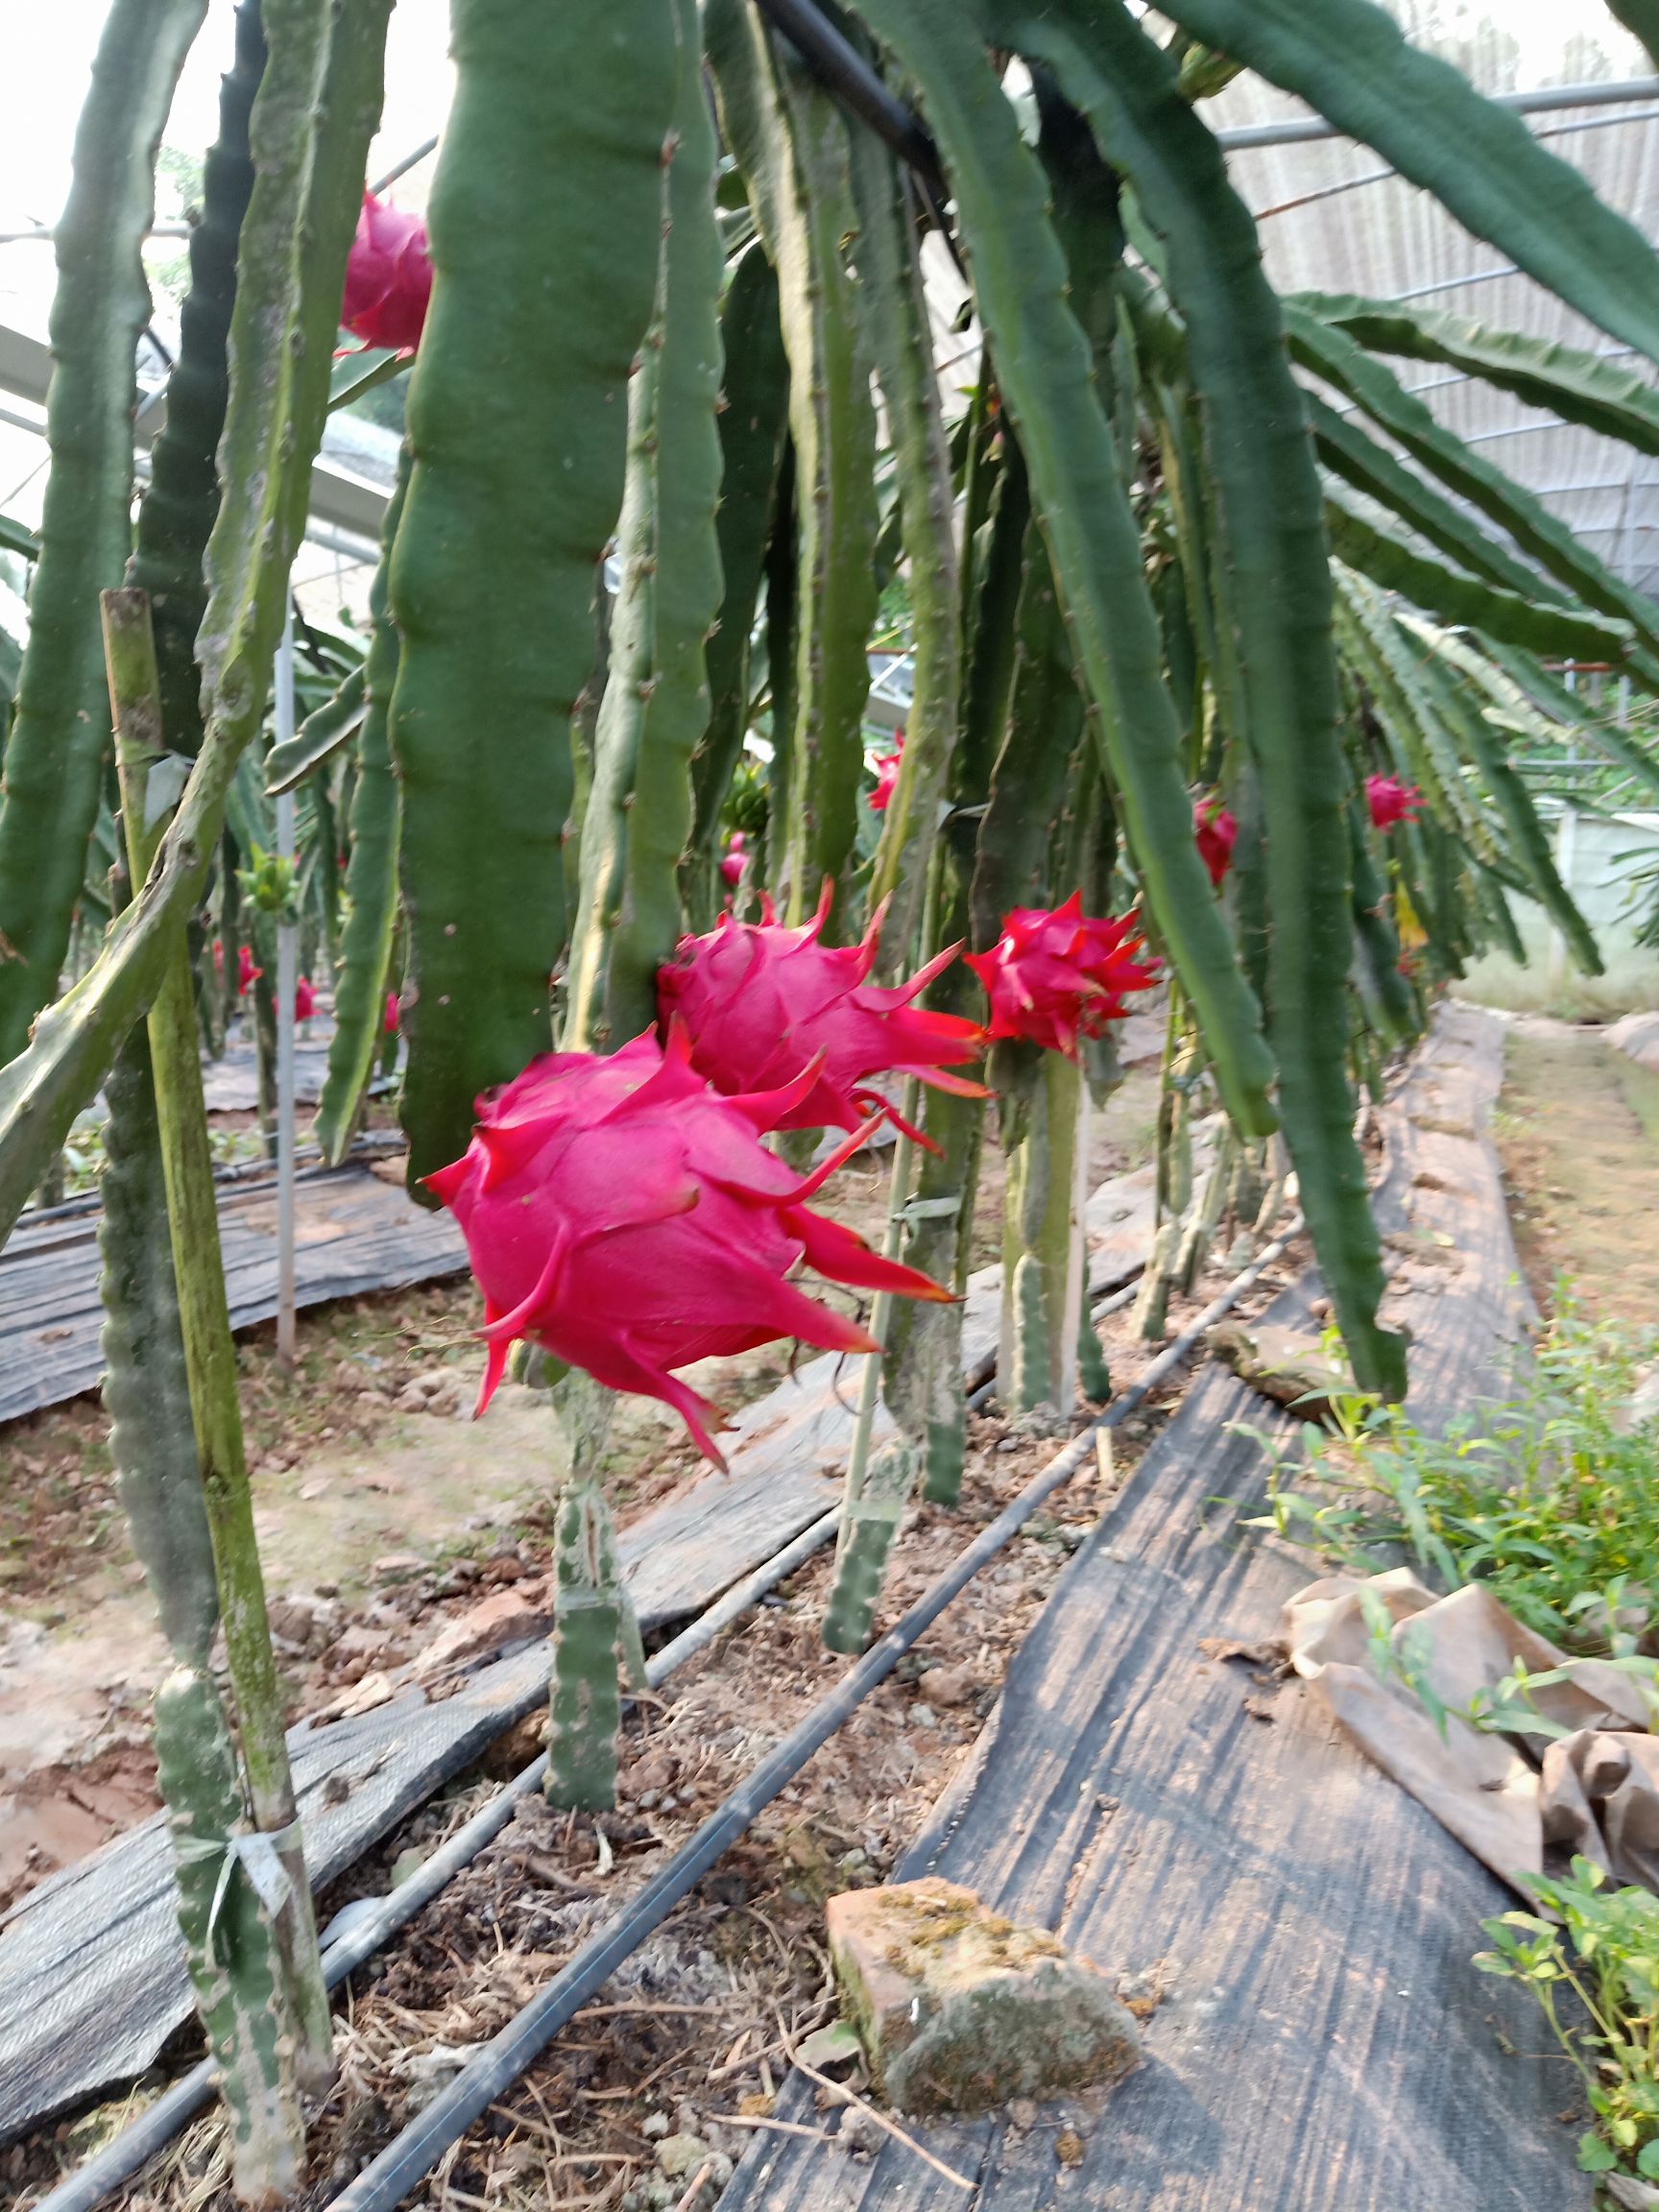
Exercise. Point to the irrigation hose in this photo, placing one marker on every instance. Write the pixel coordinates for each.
(500, 2062)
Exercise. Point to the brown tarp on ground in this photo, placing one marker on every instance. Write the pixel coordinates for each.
(1323, 2042)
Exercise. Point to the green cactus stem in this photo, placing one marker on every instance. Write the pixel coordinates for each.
(1093, 1375)
(1043, 1243)
(922, 1380)
(546, 225)
(869, 1524)
(371, 872)
(593, 1616)
(210, 1352)
(175, 515)
(791, 144)
(58, 741)
(878, 1486)
(756, 401)
(1198, 1232)
(638, 819)
(227, 1941)
(888, 255)
(318, 105)
(145, 1388)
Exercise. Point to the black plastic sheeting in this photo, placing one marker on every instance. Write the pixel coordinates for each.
(355, 1232)
(1322, 2040)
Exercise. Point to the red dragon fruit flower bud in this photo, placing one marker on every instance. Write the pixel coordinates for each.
(1217, 832)
(629, 1220)
(391, 1025)
(1391, 801)
(1055, 976)
(304, 999)
(388, 277)
(734, 859)
(247, 974)
(887, 765)
(762, 1004)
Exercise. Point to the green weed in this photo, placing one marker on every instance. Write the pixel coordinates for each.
(1549, 1496)
(1604, 1953)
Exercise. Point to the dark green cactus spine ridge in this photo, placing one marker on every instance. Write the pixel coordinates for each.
(175, 515)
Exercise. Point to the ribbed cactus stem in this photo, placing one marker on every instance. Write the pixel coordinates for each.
(592, 1615)
(146, 1392)
(229, 1942)
(869, 1525)
(1153, 1305)
(210, 1352)
(921, 1379)
(1093, 1375)
(585, 1706)
(1204, 1216)
(877, 1485)
(1042, 1246)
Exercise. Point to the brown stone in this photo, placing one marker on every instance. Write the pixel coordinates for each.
(949, 1685)
(507, 1616)
(960, 2009)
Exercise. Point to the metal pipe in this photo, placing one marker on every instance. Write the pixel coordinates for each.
(844, 72)
(1296, 130)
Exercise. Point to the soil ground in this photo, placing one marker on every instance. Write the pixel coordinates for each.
(1578, 1131)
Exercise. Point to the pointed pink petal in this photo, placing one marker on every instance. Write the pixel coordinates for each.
(845, 1258)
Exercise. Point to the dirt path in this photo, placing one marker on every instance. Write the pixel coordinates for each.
(1578, 1131)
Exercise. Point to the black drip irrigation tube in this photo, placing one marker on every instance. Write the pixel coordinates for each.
(499, 2063)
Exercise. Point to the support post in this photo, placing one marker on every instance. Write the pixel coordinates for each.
(287, 947)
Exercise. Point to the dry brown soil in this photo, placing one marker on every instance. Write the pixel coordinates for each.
(1578, 1131)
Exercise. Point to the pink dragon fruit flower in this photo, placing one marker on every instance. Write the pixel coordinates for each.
(388, 277)
(1055, 976)
(1217, 832)
(1391, 801)
(887, 765)
(763, 1004)
(628, 1220)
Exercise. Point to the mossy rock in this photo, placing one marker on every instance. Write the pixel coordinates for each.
(959, 2010)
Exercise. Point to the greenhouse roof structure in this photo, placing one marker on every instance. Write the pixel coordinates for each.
(1334, 218)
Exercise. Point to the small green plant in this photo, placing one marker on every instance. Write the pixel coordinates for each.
(1604, 1953)
(1549, 1496)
